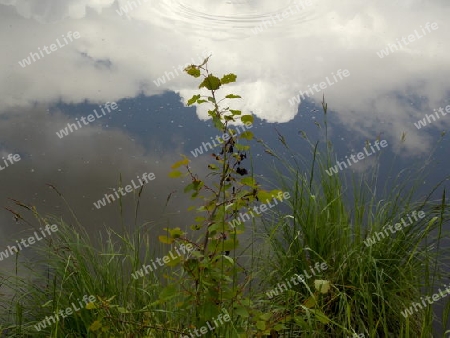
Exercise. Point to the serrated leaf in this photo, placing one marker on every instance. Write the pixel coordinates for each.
(247, 118)
(192, 70)
(228, 78)
(210, 82)
(232, 96)
(193, 99)
(95, 325)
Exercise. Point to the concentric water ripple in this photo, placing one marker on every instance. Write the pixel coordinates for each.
(237, 18)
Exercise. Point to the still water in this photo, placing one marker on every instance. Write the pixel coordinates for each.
(93, 90)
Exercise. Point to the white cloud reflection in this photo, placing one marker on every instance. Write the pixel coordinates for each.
(120, 56)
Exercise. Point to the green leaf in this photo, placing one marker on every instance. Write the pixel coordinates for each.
(241, 311)
(122, 310)
(248, 135)
(235, 112)
(247, 118)
(91, 306)
(263, 195)
(250, 181)
(193, 99)
(165, 239)
(232, 96)
(310, 302)
(261, 325)
(184, 161)
(174, 261)
(229, 244)
(95, 325)
(192, 70)
(189, 187)
(241, 147)
(211, 83)
(201, 101)
(228, 78)
(265, 316)
(218, 123)
(168, 292)
(175, 174)
(322, 285)
(175, 232)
